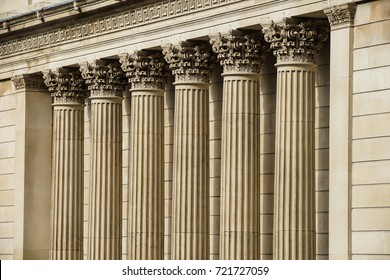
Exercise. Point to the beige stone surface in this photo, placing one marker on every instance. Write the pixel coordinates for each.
(371, 126)
(369, 149)
(371, 196)
(369, 57)
(370, 219)
(378, 171)
(372, 12)
(350, 137)
(371, 79)
(372, 34)
(368, 103)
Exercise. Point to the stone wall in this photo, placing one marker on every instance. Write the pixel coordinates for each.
(371, 132)
(7, 168)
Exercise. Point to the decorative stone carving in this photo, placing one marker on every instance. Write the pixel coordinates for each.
(144, 69)
(341, 14)
(28, 81)
(103, 79)
(65, 86)
(108, 24)
(296, 42)
(189, 61)
(238, 51)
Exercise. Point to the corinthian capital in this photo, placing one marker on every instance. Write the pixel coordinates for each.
(189, 61)
(103, 78)
(34, 81)
(239, 51)
(296, 42)
(66, 86)
(341, 14)
(144, 69)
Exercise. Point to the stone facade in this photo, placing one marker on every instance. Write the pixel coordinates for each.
(194, 129)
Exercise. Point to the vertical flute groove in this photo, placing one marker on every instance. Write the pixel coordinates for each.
(105, 228)
(190, 214)
(239, 237)
(294, 220)
(67, 182)
(146, 233)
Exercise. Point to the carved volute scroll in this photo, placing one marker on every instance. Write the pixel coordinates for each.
(66, 86)
(103, 78)
(189, 61)
(144, 69)
(239, 51)
(296, 42)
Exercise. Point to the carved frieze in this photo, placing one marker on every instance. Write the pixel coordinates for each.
(296, 42)
(33, 81)
(341, 14)
(189, 61)
(239, 51)
(66, 86)
(144, 69)
(103, 78)
(108, 24)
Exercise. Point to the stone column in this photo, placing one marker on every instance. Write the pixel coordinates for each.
(340, 129)
(239, 54)
(106, 83)
(67, 192)
(146, 194)
(190, 196)
(295, 46)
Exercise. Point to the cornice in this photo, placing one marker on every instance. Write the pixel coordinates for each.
(104, 25)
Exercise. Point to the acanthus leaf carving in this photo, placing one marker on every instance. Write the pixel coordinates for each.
(296, 42)
(239, 51)
(144, 69)
(65, 85)
(189, 61)
(103, 78)
(30, 81)
(341, 14)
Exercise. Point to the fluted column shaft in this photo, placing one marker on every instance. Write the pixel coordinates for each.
(67, 182)
(189, 63)
(295, 44)
(240, 55)
(190, 214)
(106, 83)
(146, 233)
(67, 192)
(294, 217)
(146, 199)
(105, 218)
(240, 167)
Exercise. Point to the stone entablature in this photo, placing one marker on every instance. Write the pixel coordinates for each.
(98, 26)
